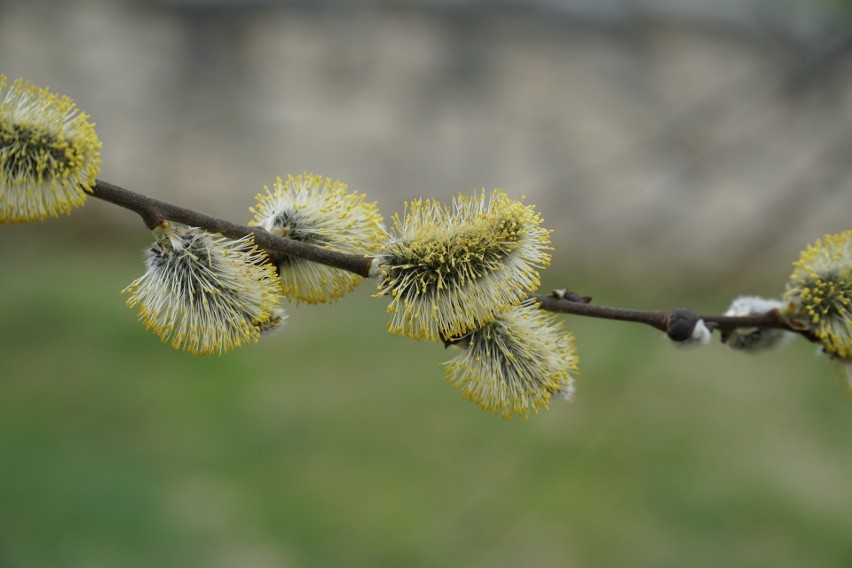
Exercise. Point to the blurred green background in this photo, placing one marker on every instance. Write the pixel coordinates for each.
(683, 152)
(333, 443)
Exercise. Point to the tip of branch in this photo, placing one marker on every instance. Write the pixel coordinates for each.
(565, 294)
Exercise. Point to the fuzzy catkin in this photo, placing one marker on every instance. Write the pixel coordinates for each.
(452, 269)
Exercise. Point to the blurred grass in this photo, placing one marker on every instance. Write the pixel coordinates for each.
(335, 444)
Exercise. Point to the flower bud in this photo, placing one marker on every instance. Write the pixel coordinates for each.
(755, 339)
(686, 330)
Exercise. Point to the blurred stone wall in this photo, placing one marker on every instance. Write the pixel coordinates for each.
(659, 140)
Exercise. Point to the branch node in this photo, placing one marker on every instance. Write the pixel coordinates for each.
(680, 323)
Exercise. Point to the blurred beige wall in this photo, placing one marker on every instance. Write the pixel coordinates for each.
(654, 139)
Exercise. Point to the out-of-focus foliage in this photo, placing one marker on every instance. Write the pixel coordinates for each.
(335, 443)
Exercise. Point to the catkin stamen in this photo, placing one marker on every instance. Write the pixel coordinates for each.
(206, 294)
(49, 154)
(451, 269)
(321, 212)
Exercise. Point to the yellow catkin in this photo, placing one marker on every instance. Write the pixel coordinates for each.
(451, 269)
(206, 294)
(516, 364)
(322, 212)
(49, 153)
(819, 292)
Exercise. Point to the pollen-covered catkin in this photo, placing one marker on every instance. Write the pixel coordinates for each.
(49, 153)
(206, 294)
(516, 364)
(819, 293)
(321, 212)
(452, 269)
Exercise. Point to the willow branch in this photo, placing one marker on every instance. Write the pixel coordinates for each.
(154, 212)
(555, 303)
(674, 323)
(564, 302)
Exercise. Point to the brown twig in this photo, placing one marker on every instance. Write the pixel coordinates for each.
(565, 302)
(153, 212)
